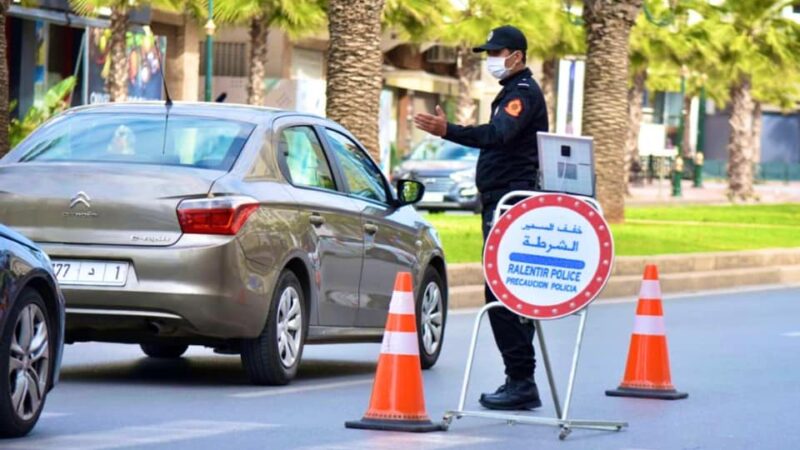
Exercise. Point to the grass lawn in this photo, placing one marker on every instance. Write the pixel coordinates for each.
(658, 230)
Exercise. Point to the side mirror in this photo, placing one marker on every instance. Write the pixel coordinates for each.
(409, 191)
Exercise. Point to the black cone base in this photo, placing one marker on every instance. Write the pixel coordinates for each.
(414, 426)
(670, 394)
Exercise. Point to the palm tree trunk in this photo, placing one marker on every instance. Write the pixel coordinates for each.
(117, 81)
(4, 145)
(758, 120)
(549, 89)
(354, 68)
(469, 68)
(635, 94)
(740, 146)
(259, 30)
(605, 109)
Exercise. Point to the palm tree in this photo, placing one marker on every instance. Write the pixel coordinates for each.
(117, 81)
(4, 147)
(548, 31)
(558, 36)
(354, 68)
(657, 48)
(295, 17)
(605, 111)
(754, 43)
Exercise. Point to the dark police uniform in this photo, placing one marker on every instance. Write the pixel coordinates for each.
(508, 161)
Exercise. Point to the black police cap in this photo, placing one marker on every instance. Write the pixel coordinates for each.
(504, 37)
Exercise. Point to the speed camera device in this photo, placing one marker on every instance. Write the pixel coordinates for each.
(566, 164)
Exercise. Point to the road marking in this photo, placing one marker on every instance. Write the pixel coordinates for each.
(791, 334)
(392, 441)
(301, 389)
(136, 436)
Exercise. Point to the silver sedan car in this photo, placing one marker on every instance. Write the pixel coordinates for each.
(248, 230)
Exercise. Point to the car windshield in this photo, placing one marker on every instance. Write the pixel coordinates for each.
(444, 151)
(209, 143)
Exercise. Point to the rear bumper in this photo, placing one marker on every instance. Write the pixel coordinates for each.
(453, 202)
(201, 287)
(462, 196)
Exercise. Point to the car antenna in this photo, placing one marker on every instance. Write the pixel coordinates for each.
(168, 102)
(161, 57)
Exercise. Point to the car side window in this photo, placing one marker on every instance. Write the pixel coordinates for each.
(363, 178)
(305, 159)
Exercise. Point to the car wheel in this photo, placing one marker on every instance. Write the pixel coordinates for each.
(161, 350)
(26, 363)
(273, 357)
(431, 317)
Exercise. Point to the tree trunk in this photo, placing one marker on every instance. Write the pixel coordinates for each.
(117, 81)
(4, 145)
(758, 120)
(259, 30)
(635, 94)
(605, 109)
(549, 90)
(469, 68)
(354, 68)
(740, 146)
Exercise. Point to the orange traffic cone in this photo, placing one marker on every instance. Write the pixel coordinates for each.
(647, 372)
(398, 401)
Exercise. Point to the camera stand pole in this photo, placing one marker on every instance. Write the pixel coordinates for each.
(562, 420)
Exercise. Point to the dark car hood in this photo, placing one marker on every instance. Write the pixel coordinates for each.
(8, 233)
(429, 168)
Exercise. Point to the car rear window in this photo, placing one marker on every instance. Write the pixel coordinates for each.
(201, 142)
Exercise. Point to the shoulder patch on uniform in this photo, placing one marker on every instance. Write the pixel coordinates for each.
(525, 85)
(514, 108)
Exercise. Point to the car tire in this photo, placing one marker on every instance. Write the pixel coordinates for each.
(34, 362)
(273, 357)
(431, 317)
(165, 351)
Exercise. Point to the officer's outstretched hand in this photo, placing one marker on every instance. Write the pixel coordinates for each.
(435, 125)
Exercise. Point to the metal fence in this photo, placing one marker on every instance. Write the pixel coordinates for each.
(762, 171)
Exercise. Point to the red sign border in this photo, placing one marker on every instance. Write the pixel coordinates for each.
(579, 301)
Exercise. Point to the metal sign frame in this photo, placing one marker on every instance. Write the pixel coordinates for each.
(562, 419)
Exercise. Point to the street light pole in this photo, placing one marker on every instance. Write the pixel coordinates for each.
(701, 132)
(210, 28)
(677, 170)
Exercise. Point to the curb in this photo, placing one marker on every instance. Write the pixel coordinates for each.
(678, 273)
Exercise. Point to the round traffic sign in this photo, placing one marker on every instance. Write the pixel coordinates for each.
(548, 256)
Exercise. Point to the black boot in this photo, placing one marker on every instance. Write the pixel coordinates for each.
(515, 394)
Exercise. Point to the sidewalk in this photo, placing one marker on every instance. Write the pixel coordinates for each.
(712, 192)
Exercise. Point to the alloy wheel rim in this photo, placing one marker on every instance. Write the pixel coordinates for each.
(290, 322)
(432, 320)
(29, 363)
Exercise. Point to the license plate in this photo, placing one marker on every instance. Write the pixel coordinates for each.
(433, 197)
(95, 273)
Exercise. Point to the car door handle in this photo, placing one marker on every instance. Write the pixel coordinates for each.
(370, 228)
(316, 220)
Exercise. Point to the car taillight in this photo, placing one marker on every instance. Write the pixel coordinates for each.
(220, 215)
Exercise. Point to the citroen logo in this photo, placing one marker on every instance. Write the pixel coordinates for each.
(81, 198)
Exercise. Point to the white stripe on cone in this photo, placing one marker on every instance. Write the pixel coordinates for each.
(650, 289)
(400, 343)
(649, 325)
(402, 303)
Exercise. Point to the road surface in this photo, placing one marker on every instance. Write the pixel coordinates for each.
(736, 354)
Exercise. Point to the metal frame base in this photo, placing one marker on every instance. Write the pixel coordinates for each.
(562, 419)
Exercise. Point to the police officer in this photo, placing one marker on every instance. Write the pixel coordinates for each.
(508, 161)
